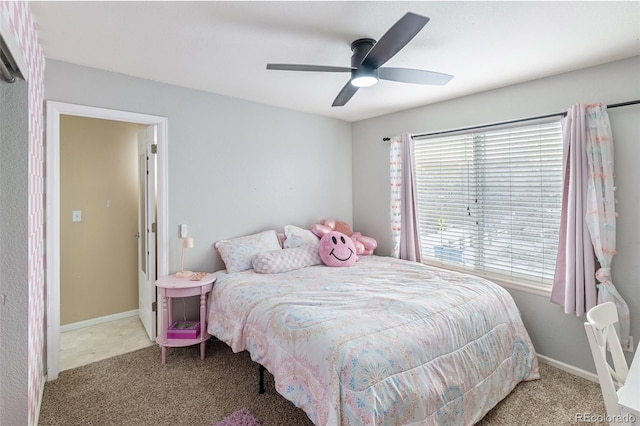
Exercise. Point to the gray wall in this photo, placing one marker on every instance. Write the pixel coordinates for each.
(14, 253)
(556, 335)
(235, 167)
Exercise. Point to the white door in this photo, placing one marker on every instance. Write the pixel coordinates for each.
(146, 233)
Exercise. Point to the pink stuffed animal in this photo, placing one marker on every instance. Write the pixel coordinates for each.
(337, 249)
(364, 245)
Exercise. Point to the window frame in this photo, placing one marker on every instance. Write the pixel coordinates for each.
(540, 287)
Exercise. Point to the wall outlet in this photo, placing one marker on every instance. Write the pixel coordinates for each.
(76, 216)
(183, 230)
(629, 346)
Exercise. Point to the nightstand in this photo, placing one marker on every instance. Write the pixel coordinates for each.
(171, 287)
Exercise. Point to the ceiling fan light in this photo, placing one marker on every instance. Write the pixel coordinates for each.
(364, 76)
(364, 81)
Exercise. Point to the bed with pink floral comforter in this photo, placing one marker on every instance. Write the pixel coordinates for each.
(383, 342)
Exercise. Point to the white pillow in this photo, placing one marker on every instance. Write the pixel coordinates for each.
(277, 261)
(237, 253)
(297, 237)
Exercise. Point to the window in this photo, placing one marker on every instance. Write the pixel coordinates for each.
(490, 202)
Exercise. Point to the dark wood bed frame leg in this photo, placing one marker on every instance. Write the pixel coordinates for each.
(261, 390)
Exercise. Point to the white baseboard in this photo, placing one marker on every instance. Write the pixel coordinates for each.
(568, 368)
(96, 321)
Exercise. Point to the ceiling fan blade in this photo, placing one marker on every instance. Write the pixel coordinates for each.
(298, 67)
(345, 94)
(408, 75)
(401, 33)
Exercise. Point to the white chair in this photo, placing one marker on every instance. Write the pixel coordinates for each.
(602, 333)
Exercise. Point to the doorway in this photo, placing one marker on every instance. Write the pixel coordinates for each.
(100, 186)
(54, 110)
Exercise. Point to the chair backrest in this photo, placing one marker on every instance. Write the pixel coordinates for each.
(601, 332)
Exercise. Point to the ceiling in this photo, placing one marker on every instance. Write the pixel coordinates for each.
(223, 47)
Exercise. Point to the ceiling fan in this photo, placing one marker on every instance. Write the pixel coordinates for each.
(369, 56)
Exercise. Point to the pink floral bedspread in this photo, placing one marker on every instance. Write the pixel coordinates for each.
(383, 342)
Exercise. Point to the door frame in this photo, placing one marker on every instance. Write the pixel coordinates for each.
(54, 110)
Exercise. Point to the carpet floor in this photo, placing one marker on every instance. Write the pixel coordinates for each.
(135, 389)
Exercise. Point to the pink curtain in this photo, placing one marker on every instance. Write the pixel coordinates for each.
(405, 241)
(588, 224)
(601, 209)
(574, 285)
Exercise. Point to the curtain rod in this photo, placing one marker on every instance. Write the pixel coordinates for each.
(519, 120)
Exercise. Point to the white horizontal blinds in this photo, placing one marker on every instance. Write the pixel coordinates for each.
(445, 185)
(491, 201)
(520, 187)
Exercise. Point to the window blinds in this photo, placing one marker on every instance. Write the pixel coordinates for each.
(490, 202)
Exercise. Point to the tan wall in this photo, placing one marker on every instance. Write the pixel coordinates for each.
(98, 259)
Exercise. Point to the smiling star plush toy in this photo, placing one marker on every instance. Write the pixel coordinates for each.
(337, 249)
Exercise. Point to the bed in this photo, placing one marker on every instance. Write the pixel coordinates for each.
(383, 342)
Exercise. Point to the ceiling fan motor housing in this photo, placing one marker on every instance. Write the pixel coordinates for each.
(360, 48)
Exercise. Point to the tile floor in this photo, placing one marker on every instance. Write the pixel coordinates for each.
(89, 344)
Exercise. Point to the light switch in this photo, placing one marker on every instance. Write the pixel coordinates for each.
(77, 216)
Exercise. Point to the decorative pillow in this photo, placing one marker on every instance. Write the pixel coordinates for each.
(296, 237)
(337, 249)
(286, 260)
(237, 253)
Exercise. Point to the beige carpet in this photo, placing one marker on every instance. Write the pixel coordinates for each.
(134, 389)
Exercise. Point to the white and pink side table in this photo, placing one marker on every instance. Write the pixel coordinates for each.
(171, 287)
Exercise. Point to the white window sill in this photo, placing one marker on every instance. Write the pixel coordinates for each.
(514, 283)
